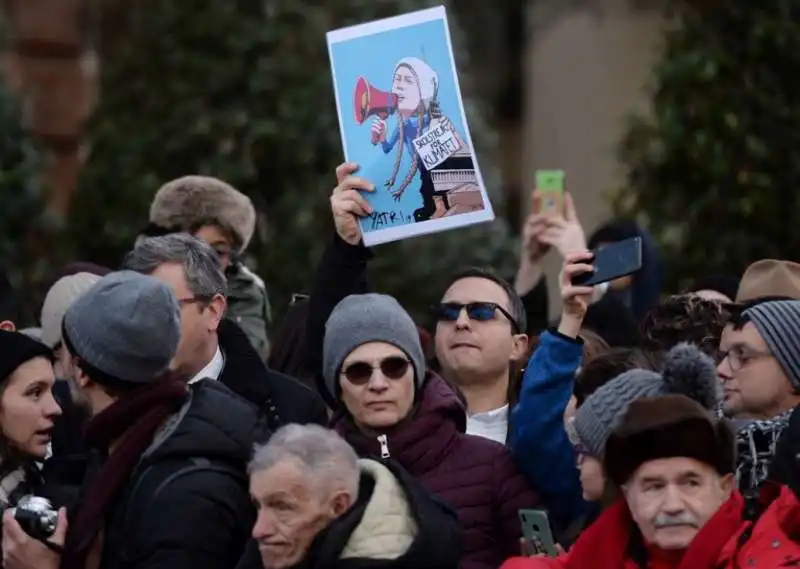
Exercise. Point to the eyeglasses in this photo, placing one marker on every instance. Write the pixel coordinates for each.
(478, 311)
(738, 357)
(359, 373)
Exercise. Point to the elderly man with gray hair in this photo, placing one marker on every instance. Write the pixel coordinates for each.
(320, 506)
(213, 347)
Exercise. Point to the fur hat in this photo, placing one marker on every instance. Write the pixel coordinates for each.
(668, 426)
(187, 203)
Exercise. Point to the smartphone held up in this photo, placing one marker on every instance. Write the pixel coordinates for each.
(612, 262)
(549, 192)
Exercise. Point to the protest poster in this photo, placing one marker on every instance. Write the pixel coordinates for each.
(402, 120)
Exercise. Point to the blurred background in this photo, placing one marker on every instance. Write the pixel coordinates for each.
(682, 115)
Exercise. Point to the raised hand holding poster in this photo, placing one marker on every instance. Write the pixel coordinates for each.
(402, 120)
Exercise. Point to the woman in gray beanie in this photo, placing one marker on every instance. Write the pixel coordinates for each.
(685, 371)
(390, 407)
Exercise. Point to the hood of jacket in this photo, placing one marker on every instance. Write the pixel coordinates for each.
(421, 440)
(393, 523)
(213, 423)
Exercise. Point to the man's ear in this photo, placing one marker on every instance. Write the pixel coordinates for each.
(340, 503)
(81, 378)
(217, 308)
(519, 347)
(8, 326)
(728, 483)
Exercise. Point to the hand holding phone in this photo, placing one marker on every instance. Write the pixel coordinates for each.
(537, 532)
(612, 262)
(575, 298)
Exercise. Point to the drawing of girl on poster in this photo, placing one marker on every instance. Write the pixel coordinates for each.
(416, 86)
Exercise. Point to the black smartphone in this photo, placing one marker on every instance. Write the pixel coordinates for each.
(613, 261)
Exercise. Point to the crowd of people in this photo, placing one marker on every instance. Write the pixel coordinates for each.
(165, 428)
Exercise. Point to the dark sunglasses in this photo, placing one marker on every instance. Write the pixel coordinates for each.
(478, 311)
(359, 373)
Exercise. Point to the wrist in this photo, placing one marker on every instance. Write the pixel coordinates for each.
(528, 276)
(344, 239)
(570, 324)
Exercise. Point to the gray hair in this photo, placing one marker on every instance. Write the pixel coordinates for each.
(320, 452)
(200, 262)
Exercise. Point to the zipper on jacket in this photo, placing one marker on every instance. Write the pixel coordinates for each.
(383, 440)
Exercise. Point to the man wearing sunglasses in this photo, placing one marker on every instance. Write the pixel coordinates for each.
(479, 335)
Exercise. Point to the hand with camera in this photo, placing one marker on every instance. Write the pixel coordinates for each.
(348, 202)
(575, 298)
(33, 538)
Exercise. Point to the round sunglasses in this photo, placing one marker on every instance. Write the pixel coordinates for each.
(359, 373)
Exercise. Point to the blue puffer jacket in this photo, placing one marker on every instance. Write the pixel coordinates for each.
(538, 439)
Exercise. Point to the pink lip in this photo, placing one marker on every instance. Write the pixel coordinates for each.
(464, 345)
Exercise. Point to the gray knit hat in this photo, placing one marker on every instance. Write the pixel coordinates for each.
(686, 371)
(127, 326)
(363, 318)
(778, 322)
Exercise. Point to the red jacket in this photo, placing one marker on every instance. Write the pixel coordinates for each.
(716, 546)
(476, 476)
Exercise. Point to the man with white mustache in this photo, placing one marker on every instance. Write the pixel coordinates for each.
(674, 462)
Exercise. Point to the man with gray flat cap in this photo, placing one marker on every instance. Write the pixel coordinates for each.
(167, 484)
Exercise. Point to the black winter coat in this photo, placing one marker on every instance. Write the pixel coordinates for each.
(281, 398)
(187, 504)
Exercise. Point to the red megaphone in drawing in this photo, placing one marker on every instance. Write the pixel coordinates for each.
(369, 101)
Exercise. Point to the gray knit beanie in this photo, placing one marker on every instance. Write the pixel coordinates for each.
(127, 326)
(363, 318)
(686, 371)
(778, 323)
